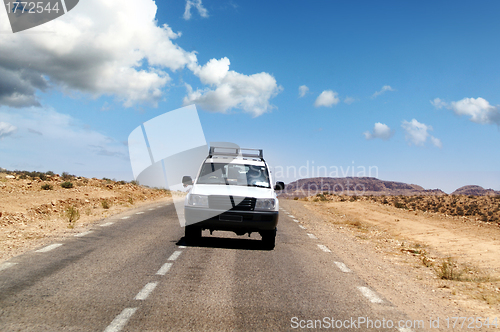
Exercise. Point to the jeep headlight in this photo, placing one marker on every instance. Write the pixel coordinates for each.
(265, 204)
(198, 200)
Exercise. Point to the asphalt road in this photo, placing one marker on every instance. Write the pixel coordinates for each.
(137, 274)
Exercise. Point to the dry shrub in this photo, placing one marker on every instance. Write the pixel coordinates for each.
(73, 215)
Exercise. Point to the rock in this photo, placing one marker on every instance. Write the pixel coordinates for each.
(474, 191)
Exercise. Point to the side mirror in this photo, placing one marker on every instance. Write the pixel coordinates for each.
(187, 181)
(279, 186)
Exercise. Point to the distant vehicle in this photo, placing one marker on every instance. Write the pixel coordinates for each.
(232, 192)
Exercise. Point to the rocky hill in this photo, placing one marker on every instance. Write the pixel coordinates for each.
(475, 191)
(354, 186)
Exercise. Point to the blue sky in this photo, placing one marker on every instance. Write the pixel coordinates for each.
(411, 89)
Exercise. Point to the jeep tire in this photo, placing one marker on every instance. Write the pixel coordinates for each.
(268, 239)
(192, 233)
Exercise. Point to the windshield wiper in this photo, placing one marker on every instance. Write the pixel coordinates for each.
(257, 185)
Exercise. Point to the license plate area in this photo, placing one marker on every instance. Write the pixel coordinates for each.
(230, 217)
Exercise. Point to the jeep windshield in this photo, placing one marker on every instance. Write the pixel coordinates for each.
(234, 174)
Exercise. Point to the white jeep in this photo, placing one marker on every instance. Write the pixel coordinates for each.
(232, 192)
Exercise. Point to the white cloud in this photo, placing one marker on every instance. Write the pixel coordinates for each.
(327, 98)
(303, 89)
(479, 110)
(120, 52)
(438, 103)
(6, 129)
(112, 47)
(436, 142)
(380, 130)
(229, 89)
(46, 138)
(213, 72)
(349, 100)
(198, 5)
(384, 89)
(417, 133)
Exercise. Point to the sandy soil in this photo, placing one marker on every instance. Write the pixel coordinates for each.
(466, 241)
(31, 217)
(415, 244)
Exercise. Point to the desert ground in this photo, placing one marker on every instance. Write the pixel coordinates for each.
(458, 256)
(31, 216)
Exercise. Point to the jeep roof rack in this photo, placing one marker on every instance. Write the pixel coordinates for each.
(235, 152)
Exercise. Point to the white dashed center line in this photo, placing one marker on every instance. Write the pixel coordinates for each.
(144, 293)
(302, 227)
(107, 224)
(126, 217)
(121, 320)
(140, 212)
(295, 220)
(83, 234)
(49, 248)
(291, 216)
(324, 248)
(6, 265)
(150, 209)
(164, 269)
(312, 236)
(370, 295)
(175, 255)
(342, 267)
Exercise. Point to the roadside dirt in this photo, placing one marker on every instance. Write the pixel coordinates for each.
(408, 249)
(31, 217)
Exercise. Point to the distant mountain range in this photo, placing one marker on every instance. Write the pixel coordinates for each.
(370, 186)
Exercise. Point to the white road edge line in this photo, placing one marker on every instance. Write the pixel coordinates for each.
(342, 267)
(164, 269)
(182, 247)
(370, 295)
(324, 248)
(146, 290)
(175, 255)
(50, 247)
(121, 320)
(312, 236)
(107, 224)
(302, 227)
(83, 234)
(140, 212)
(6, 265)
(126, 217)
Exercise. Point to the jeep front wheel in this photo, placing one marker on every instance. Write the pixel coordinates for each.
(192, 233)
(269, 239)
